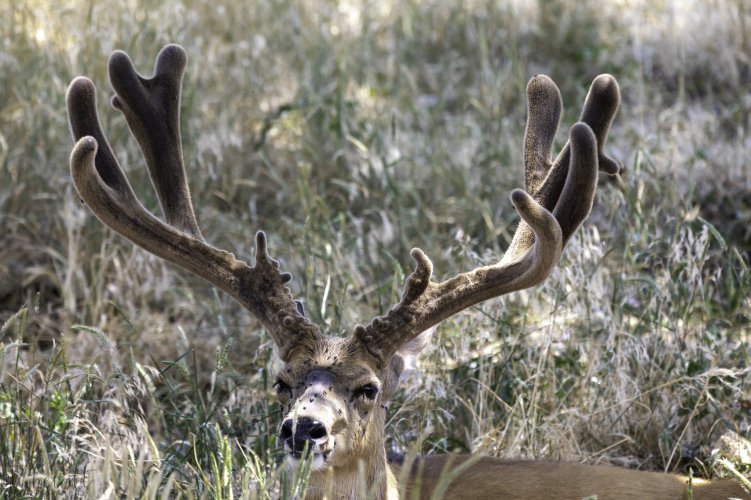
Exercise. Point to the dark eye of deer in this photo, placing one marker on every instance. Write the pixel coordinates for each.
(282, 387)
(369, 391)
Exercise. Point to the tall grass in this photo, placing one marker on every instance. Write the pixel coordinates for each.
(352, 131)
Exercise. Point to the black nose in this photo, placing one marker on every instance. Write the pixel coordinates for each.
(296, 433)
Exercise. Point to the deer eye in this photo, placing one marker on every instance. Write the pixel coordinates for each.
(282, 388)
(369, 391)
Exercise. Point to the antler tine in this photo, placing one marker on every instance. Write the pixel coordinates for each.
(81, 102)
(151, 109)
(544, 106)
(560, 198)
(600, 107)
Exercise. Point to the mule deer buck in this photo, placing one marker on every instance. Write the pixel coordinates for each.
(332, 389)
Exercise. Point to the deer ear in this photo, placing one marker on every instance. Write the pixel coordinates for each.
(405, 359)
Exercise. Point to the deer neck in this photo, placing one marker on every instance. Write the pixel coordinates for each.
(369, 470)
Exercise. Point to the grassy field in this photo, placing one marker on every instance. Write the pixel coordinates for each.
(352, 131)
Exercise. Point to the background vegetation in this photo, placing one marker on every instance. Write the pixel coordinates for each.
(352, 131)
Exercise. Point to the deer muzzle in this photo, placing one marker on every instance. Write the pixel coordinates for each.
(314, 420)
(299, 435)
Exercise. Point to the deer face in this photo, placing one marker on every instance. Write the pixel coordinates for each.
(333, 397)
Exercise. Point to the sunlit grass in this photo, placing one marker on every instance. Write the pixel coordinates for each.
(351, 132)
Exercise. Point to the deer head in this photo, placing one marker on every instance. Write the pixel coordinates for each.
(333, 389)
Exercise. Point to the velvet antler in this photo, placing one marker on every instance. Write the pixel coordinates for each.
(558, 198)
(151, 108)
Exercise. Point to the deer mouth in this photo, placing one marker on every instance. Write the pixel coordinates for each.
(317, 453)
(298, 455)
(319, 459)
